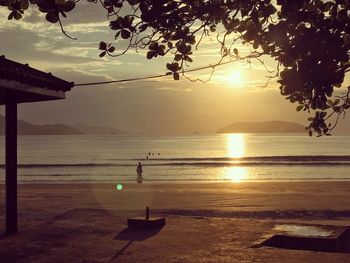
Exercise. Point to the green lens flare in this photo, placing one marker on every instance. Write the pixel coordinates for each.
(119, 187)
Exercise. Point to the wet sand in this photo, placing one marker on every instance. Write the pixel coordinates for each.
(205, 222)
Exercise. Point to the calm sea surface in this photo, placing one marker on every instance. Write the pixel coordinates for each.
(232, 157)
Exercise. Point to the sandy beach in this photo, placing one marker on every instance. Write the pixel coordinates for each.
(216, 222)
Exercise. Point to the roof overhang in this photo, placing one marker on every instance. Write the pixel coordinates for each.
(14, 90)
(21, 83)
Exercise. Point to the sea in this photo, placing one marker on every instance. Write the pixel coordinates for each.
(180, 159)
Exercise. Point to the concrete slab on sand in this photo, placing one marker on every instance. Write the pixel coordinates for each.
(146, 222)
(98, 235)
(323, 238)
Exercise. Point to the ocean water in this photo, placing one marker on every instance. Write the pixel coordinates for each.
(210, 158)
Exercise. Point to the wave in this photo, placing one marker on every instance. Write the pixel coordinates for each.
(312, 160)
(250, 158)
(116, 179)
(198, 164)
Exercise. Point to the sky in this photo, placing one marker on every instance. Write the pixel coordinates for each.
(235, 93)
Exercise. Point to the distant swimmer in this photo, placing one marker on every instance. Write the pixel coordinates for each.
(139, 173)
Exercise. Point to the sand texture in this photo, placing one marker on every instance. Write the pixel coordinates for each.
(204, 222)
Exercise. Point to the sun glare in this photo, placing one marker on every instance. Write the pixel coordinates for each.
(235, 145)
(235, 78)
(235, 174)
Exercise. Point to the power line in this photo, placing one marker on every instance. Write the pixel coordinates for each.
(148, 77)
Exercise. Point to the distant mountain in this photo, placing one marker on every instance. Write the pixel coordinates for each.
(26, 128)
(94, 130)
(263, 127)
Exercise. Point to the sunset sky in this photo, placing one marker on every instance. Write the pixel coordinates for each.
(162, 106)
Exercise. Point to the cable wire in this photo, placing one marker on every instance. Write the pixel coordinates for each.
(149, 77)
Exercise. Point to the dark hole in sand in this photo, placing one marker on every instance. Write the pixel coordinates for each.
(334, 239)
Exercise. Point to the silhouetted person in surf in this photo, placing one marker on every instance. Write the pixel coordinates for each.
(139, 173)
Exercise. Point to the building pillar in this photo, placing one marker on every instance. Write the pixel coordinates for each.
(11, 166)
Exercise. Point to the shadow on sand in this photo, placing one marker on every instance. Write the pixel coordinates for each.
(5, 235)
(131, 235)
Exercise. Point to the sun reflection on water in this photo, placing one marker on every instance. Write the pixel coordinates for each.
(235, 174)
(236, 149)
(235, 145)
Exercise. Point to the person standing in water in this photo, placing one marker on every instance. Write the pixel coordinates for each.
(139, 173)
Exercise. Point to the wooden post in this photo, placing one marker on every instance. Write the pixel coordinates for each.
(11, 166)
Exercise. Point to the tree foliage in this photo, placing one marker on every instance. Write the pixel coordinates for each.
(309, 39)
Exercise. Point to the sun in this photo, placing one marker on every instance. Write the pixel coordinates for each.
(235, 78)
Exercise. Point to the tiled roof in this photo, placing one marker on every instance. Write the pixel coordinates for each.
(14, 71)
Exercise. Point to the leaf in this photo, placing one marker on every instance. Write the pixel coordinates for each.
(103, 45)
(300, 107)
(310, 133)
(176, 66)
(235, 50)
(111, 49)
(150, 54)
(182, 48)
(103, 54)
(337, 109)
(52, 17)
(17, 16)
(46, 6)
(117, 35)
(133, 2)
(67, 6)
(154, 45)
(143, 27)
(188, 59)
(10, 16)
(178, 57)
(59, 2)
(176, 76)
(323, 114)
(169, 66)
(24, 4)
(125, 34)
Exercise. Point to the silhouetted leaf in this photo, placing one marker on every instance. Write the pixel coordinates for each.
(300, 107)
(103, 45)
(150, 54)
(176, 76)
(178, 57)
(52, 17)
(125, 34)
(67, 6)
